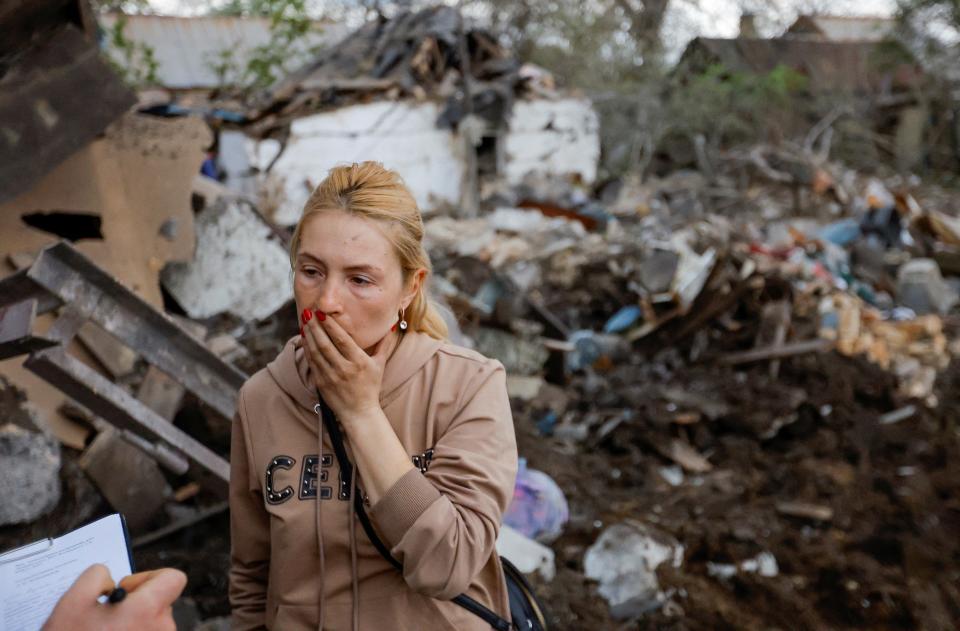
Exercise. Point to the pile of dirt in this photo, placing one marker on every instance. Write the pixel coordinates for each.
(885, 558)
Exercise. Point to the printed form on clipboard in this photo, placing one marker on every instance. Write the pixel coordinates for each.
(35, 576)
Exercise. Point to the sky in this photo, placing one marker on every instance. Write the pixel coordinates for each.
(711, 18)
(687, 18)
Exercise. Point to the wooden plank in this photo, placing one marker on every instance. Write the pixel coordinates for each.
(778, 352)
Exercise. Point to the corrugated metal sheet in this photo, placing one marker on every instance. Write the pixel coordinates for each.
(187, 48)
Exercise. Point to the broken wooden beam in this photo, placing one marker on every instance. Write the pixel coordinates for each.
(805, 510)
(774, 324)
(778, 352)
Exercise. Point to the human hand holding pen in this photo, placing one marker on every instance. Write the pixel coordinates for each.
(146, 607)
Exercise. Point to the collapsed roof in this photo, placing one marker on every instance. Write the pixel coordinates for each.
(415, 54)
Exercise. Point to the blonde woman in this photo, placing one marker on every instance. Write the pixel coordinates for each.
(426, 425)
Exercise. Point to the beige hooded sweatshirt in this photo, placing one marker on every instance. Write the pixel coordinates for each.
(293, 557)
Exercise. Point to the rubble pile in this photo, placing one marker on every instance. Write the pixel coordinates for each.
(763, 400)
(745, 405)
(734, 389)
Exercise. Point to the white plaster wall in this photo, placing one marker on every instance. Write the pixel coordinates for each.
(403, 136)
(239, 267)
(552, 137)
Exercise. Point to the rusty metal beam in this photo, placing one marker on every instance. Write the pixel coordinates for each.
(72, 278)
(114, 404)
(16, 330)
(18, 287)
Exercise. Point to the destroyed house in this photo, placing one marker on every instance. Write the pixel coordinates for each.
(395, 91)
(876, 77)
(859, 67)
(841, 28)
(95, 199)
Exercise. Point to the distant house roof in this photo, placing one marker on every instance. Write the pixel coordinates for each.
(842, 28)
(829, 65)
(187, 48)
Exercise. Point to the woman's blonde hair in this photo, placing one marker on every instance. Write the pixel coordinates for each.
(369, 190)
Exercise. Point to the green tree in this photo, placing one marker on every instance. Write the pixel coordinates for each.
(290, 23)
(122, 6)
(137, 62)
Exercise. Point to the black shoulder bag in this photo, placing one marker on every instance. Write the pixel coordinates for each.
(525, 610)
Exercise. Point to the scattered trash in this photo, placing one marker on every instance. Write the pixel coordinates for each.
(764, 564)
(805, 510)
(623, 319)
(539, 508)
(672, 474)
(921, 288)
(897, 415)
(624, 560)
(528, 555)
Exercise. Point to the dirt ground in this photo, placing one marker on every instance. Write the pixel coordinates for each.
(888, 559)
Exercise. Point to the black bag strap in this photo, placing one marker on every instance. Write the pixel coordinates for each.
(346, 470)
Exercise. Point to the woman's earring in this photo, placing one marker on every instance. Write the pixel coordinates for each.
(403, 323)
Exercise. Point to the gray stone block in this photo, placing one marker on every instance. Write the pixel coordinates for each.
(29, 474)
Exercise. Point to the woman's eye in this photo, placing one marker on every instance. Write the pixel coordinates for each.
(310, 271)
(360, 280)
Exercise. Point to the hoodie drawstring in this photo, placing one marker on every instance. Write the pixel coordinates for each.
(354, 584)
(319, 519)
(353, 555)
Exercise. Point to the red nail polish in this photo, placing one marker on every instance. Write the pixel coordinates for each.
(321, 315)
(307, 315)
(394, 327)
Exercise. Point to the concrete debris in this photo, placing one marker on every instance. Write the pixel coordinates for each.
(524, 388)
(231, 236)
(400, 90)
(29, 474)
(519, 356)
(624, 560)
(129, 479)
(921, 288)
